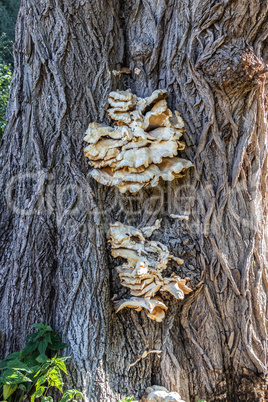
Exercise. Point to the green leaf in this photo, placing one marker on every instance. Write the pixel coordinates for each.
(41, 380)
(64, 358)
(43, 326)
(8, 390)
(29, 348)
(12, 377)
(38, 393)
(48, 328)
(18, 365)
(42, 346)
(42, 359)
(43, 368)
(66, 397)
(39, 326)
(56, 342)
(55, 379)
(60, 363)
(12, 356)
(47, 399)
(3, 365)
(48, 337)
(70, 394)
(30, 360)
(32, 337)
(58, 346)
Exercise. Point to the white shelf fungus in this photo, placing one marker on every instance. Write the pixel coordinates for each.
(142, 146)
(156, 393)
(142, 273)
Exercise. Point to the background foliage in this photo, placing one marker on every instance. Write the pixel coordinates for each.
(5, 79)
(8, 15)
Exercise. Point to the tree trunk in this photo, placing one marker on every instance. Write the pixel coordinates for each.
(55, 261)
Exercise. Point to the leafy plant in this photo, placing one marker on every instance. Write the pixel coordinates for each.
(128, 399)
(29, 374)
(5, 79)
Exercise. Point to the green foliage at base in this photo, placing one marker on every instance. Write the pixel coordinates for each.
(31, 373)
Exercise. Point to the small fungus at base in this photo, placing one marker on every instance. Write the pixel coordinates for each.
(156, 393)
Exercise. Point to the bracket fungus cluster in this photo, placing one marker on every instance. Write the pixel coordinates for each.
(142, 146)
(142, 273)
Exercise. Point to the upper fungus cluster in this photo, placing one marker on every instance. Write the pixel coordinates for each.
(141, 147)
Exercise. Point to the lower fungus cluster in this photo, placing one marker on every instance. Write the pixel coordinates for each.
(141, 147)
(142, 274)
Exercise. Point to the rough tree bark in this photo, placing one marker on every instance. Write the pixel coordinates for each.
(55, 262)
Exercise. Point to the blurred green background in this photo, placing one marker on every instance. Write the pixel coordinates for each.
(8, 16)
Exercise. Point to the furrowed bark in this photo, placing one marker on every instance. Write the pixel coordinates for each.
(55, 261)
